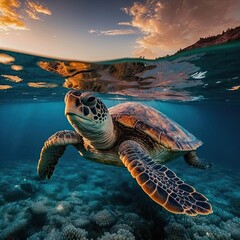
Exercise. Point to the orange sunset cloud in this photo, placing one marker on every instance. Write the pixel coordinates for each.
(167, 26)
(12, 14)
(9, 17)
(35, 8)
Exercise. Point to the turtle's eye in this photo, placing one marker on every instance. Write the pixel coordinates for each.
(76, 93)
(90, 99)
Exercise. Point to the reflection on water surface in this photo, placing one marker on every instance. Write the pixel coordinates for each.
(197, 75)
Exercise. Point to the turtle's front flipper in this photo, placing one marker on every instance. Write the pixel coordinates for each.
(53, 149)
(162, 184)
(192, 159)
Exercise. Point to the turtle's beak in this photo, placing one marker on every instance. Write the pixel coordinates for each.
(70, 104)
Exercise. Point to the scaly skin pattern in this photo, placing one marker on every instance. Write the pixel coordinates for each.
(53, 149)
(161, 184)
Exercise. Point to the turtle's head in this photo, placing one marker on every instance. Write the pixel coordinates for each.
(89, 116)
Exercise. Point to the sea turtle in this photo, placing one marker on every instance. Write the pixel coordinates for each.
(131, 135)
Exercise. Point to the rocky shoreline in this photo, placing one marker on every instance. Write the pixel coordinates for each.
(230, 35)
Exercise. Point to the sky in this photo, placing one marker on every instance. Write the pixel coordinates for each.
(94, 30)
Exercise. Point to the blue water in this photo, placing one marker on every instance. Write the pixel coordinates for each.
(87, 200)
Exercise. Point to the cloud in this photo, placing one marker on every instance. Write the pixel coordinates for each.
(114, 32)
(167, 26)
(37, 8)
(9, 17)
(12, 14)
(31, 14)
(125, 23)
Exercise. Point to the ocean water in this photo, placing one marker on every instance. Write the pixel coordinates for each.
(199, 89)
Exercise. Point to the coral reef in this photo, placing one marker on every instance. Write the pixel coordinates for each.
(175, 231)
(38, 208)
(73, 233)
(82, 221)
(118, 210)
(132, 219)
(103, 218)
(64, 208)
(121, 234)
(14, 229)
(233, 227)
(123, 226)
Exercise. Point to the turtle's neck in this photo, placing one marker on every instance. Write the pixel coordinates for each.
(103, 137)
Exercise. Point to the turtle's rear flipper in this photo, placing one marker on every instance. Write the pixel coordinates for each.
(162, 184)
(192, 159)
(53, 149)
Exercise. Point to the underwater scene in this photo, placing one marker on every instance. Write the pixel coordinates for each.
(124, 194)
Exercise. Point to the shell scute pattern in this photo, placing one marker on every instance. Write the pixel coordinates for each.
(156, 125)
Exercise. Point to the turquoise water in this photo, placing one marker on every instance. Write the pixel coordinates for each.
(87, 200)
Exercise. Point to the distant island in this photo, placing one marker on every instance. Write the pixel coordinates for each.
(232, 34)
